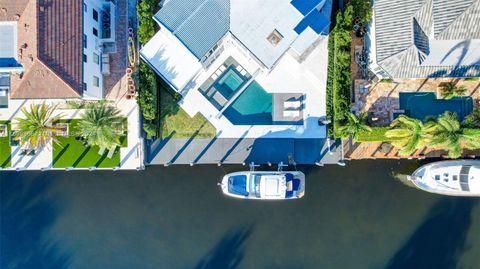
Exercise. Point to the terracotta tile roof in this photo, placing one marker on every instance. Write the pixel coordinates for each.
(12, 10)
(49, 48)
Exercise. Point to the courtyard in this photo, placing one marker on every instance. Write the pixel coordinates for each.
(383, 100)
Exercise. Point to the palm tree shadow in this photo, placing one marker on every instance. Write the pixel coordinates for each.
(229, 252)
(26, 216)
(440, 240)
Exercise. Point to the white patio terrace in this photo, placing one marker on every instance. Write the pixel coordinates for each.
(288, 76)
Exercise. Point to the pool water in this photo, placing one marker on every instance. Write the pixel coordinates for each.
(229, 83)
(252, 107)
(423, 105)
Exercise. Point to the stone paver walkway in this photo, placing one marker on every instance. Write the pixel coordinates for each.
(381, 99)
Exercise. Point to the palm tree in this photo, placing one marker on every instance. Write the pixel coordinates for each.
(472, 120)
(450, 90)
(450, 135)
(354, 125)
(102, 126)
(409, 134)
(36, 128)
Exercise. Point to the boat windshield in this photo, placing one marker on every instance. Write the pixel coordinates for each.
(464, 171)
(254, 188)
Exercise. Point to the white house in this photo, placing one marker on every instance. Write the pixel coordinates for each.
(252, 68)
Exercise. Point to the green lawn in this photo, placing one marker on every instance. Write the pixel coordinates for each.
(5, 150)
(70, 152)
(376, 135)
(176, 123)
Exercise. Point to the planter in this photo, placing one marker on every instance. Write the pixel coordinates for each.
(128, 97)
(129, 71)
(130, 30)
(130, 81)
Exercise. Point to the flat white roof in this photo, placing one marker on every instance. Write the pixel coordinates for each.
(171, 59)
(253, 21)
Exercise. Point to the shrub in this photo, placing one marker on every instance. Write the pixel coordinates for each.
(450, 90)
(363, 9)
(147, 27)
(339, 82)
(150, 129)
(147, 95)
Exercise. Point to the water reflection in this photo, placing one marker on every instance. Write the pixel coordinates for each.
(440, 240)
(26, 216)
(229, 252)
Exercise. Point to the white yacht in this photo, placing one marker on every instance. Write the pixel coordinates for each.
(264, 185)
(455, 178)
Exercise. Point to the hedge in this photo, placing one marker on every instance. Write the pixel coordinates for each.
(147, 79)
(339, 81)
(147, 27)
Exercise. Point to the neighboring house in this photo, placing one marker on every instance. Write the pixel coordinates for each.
(425, 38)
(54, 49)
(252, 68)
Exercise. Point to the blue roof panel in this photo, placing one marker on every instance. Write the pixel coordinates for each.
(174, 13)
(317, 19)
(305, 6)
(198, 24)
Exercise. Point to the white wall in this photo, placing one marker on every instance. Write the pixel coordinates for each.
(90, 68)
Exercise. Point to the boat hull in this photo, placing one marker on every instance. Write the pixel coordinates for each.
(417, 177)
(296, 174)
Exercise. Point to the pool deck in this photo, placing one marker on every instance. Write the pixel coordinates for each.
(307, 77)
(382, 100)
(242, 150)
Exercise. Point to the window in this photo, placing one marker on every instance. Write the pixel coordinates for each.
(275, 37)
(85, 8)
(84, 58)
(84, 41)
(95, 15)
(84, 87)
(95, 31)
(96, 58)
(96, 81)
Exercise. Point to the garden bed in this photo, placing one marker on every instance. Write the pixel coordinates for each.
(5, 149)
(176, 123)
(71, 152)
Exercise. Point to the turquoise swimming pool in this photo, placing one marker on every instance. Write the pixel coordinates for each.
(252, 107)
(422, 105)
(229, 83)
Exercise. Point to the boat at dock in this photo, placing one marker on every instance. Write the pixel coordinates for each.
(454, 178)
(264, 185)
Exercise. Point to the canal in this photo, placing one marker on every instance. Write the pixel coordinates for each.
(358, 216)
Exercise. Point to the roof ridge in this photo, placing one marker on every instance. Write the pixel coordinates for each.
(37, 60)
(397, 53)
(70, 87)
(190, 16)
(457, 18)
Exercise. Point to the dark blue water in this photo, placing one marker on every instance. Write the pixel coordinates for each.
(358, 216)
